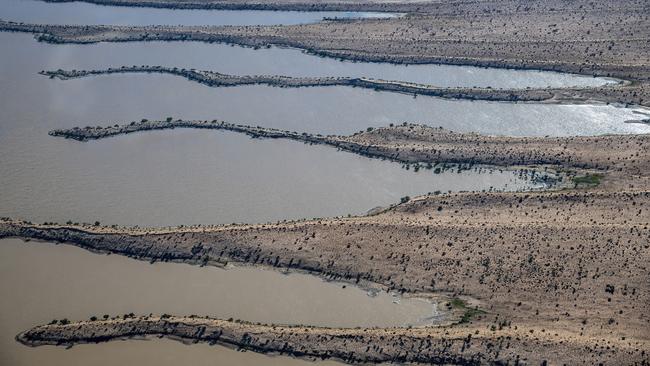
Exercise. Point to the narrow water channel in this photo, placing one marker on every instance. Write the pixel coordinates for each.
(37, 11)
(188, 176)
(28, 98)
(238, 60)
(43, 281)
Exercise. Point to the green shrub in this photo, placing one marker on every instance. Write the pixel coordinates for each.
(589, 180)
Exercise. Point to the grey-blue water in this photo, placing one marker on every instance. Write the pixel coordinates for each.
(342, 110)
(245, 61)
(35, 11)
(194, 176)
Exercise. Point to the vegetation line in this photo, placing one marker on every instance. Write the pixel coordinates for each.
(405, 143)
(216, 79)
(269, 6)
(491, 255)
(372, 345)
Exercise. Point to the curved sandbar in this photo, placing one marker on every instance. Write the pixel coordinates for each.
(386, 41)
(561, 274)
(215, 79)
(458, 346)
(412, 144)
(348, 6)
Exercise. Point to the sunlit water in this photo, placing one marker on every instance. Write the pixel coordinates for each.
(279, 61)
(169, 178)
(195, 176)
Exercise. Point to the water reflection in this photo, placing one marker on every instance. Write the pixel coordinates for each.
(279, 61)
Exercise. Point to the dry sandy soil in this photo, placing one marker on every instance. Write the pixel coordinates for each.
(562, 276)
(566, 95)
(604, 38)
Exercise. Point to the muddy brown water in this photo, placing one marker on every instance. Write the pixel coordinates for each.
(43, 281)
(188, 176)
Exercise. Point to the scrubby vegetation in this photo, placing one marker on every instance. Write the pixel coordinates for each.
(588, 179)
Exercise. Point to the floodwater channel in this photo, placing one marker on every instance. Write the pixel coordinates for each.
(213, 177)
